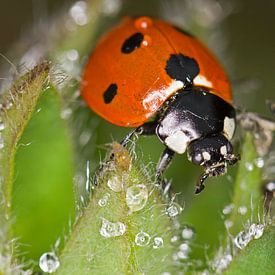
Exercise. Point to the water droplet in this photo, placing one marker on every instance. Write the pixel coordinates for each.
(174, 209)
(142, 239)
(174, 239)
(242, 210)
(228, 209)
(111, 7)
(228, 223)
(49, 262)
(270, 186)
(115, 183)
(136, 197)
(143, 22)
(187, 232)
(259, 162)
(147, 41)
(112, 229)
(66, 113)
(256, 230)
(72, 55)
(222, 262)
(157, 242)
(249, 166)
(242, 239)
(184, 251)
(2, 126)
(104, 200)
(78, 13)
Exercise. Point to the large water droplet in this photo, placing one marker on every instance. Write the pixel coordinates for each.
(112, 229)
(104, 200)
(256, 230)
(136, 197)
(157, 242)
(270, 186)
(49, 262)
(242, 239)
(142, 239)
(174, 209)
(115, 183)
(187, 232)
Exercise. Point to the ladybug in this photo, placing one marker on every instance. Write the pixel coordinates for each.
(148, 74)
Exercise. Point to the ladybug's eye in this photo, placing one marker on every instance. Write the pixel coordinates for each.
(131, 43)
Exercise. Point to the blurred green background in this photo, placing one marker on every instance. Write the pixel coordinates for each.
(242, 35)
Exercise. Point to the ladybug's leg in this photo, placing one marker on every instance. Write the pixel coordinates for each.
(148, 128)
(163, 163)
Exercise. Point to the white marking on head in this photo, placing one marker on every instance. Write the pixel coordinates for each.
(229, 127)
(177, 142)
(223, 150)
(152, 98)
(206, 156)
(201, 80)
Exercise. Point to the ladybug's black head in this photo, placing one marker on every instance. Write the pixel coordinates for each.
(214, 153)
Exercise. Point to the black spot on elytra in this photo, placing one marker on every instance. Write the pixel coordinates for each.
(183, 68)
(183, 31)
(132, 43)
(110, 93)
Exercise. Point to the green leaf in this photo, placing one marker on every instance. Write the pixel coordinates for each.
(247, 199)
(257, 257)
(43, 200)
(95, 248)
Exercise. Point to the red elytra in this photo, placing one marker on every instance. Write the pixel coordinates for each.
(140, 84)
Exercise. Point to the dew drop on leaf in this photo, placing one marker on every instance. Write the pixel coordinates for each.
(174, 209)
(242, 239)
(157, 242)
(49, 262)
(142, 239)
(136, 197)
(112, 229)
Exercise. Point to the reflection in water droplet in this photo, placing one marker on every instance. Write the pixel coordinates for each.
(147, 41)
(136, 197)
(112, 229)
(49, 262)
(256, 230)
(174, 209)
(242, 239)
(115, 183)
(104, 200)
(142, 239)
(157, 242)
(187, 232)
(228, 209)
(143, 22)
